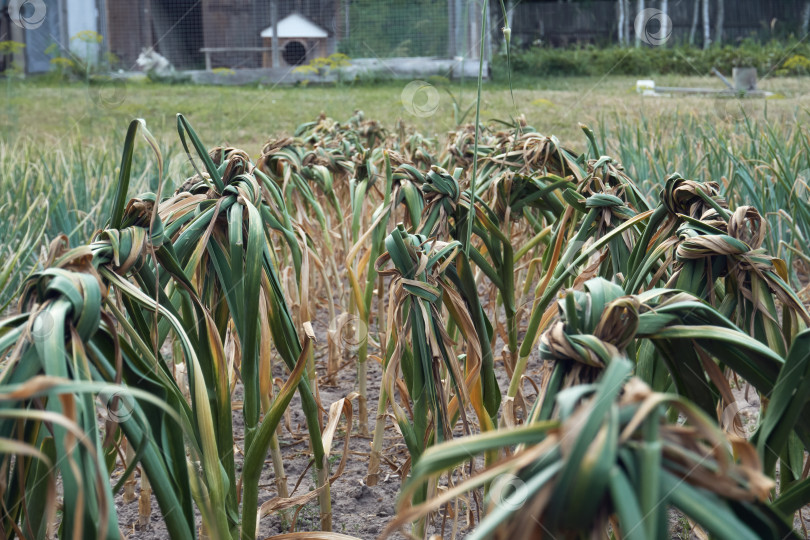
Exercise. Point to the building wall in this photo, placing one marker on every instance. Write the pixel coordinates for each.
(82, 16)
(128, 29)
(52, 30)
(178, 29)
(6, 28)
(173, 28)
(231, 23)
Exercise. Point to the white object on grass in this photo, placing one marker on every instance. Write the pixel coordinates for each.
(643, 86)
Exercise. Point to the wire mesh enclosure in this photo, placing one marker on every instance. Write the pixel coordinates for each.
(388, 28)
(239, 34)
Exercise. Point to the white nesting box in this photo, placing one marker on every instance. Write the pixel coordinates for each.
(299, 40)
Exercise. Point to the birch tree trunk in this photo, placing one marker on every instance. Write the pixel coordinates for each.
(665, 27)
(640, 9)
(621, 22)
(627, 22)
(693, 29)
(805, 26)
(718, 26)
(707, 36)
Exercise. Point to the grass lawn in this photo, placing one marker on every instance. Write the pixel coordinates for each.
(57, 115)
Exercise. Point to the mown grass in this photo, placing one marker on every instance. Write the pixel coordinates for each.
(54, 115)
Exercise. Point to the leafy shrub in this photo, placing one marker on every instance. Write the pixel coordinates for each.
(795, 65)
(767, 58)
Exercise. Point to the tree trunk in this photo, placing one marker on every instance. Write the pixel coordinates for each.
(707, 36)
(627, 22)
(693, 29)
(805, 26)
(639, 11)
(718, 26)
(276, 56)
(665, 27)
(621, 22)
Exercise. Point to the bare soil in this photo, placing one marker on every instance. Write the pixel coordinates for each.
(357, 509)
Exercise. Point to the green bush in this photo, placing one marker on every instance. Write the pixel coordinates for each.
(767, 58)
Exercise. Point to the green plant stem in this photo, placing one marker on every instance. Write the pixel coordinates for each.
(471, 215)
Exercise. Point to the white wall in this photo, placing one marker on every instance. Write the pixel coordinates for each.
(82, 15)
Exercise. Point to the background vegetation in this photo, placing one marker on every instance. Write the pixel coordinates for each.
(774, 58)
